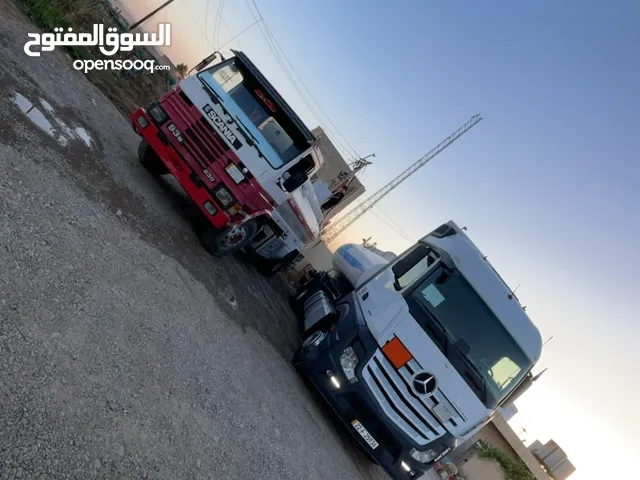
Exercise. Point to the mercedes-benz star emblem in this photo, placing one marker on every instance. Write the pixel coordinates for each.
(424, 383)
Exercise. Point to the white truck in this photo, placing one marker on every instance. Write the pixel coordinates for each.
(415, 354)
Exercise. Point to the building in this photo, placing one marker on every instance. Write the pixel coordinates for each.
(341, 187)
(553, 459)
(508, 411)
(333, 172)
(499, 434)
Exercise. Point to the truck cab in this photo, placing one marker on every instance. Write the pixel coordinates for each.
(241, 153)
(414, 354)
(279, 150)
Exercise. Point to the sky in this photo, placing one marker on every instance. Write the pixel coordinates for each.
(547, 183)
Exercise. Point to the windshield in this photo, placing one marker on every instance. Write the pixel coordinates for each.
(274, 126)
(469, 334)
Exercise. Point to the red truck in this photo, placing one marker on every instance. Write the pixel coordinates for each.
(242, 155)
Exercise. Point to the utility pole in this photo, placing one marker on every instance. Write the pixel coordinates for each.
(149, 15)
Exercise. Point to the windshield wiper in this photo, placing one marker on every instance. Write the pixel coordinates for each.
(476, 370)
(447, 341)
(443, 331)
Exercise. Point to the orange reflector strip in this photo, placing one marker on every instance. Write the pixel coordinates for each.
(396, 352)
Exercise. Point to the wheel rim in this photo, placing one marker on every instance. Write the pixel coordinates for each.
(233, 237)
(314, 339)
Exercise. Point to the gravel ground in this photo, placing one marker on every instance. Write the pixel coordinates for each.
(125, 350)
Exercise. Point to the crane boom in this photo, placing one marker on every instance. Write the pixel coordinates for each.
(341, 224)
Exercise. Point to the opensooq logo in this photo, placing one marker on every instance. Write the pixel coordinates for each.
(109, 44)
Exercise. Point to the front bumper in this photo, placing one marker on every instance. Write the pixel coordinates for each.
(178, 167)
(354, 401)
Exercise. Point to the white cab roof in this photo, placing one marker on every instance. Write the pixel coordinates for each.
(491, 288)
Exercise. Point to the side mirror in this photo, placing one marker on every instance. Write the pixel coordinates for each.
(294, 182)
(206, 61)
(408, 262)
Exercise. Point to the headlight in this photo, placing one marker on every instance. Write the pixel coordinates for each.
(157, 113)
(424, 457)
(349, 362)
(224, 197)
(142, 121)
(210, 208)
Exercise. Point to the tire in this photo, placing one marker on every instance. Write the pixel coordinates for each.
(150, 159)
(224, 242)
(300, 358)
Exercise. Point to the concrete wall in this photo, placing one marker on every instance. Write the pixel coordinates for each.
(476, 468)
(519, 448)
(500, 434)
(332, 166)
(319, 256)
(491, 435)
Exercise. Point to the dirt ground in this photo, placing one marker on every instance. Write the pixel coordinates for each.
(125, 350)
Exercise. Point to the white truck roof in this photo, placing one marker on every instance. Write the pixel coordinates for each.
(470, 261)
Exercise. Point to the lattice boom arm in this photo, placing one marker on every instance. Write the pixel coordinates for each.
(342, 223)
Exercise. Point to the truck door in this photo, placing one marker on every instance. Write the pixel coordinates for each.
(297, 174)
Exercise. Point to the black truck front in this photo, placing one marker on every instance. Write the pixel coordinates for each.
(336, 362)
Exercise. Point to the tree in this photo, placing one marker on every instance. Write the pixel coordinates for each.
(182, 69)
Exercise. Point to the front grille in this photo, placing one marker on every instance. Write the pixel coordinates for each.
(403, 407)
(207, 153)
(202, 142)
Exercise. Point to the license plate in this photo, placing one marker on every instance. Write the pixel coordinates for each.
(443, 412)
(364, 434)
(235, 173)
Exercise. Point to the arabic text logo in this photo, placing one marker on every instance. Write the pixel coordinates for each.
(108, 44)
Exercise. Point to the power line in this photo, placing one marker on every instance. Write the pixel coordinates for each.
(282, 65)
(240, 33)
(279, 53)
(392, 227)
(235, 37)
(404, 232)
(303, 83)
(150, 14)
(196, 22)
(206, 19)
(336, 138)
(275, 40)
(216, 27)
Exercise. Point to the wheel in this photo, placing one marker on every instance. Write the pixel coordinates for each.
(311, 341)
(314, 339)
(150, 159)
(228, 241)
